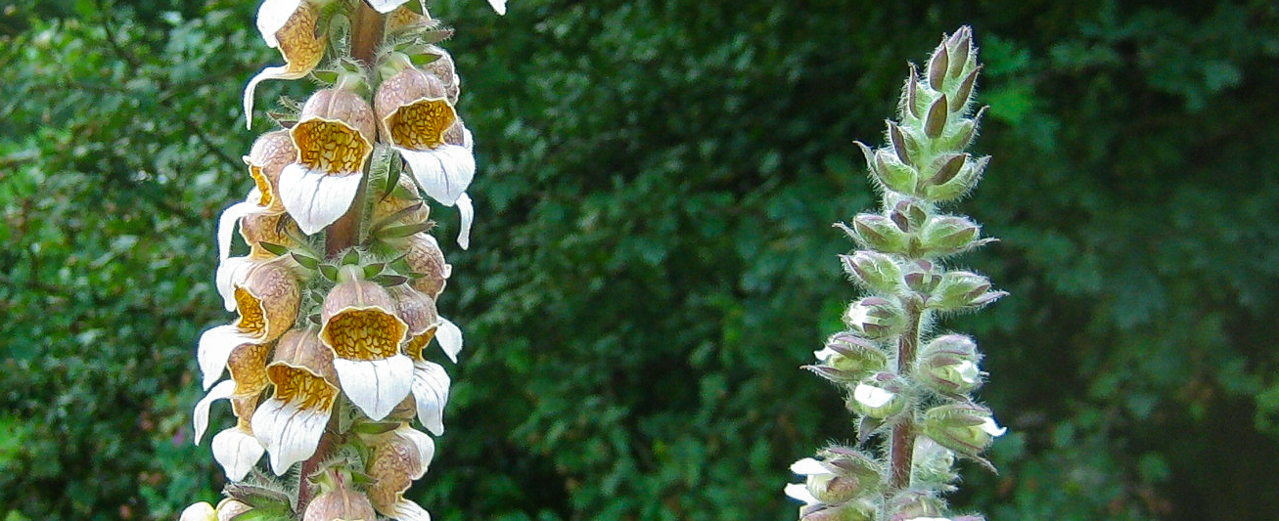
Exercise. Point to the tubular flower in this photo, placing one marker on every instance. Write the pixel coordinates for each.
(289, 25)
(402, 206)
(399, 457)
(235, 448)
(430, 382)
(361, 327)
(267, 300)
(333, 140)
(338, 501)
(268, 157)
(418, 120)
(290, 423)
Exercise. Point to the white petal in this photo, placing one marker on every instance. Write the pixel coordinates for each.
(376, 386)
(499, 6)
(269, 73)
(422, 444)
(405, 510)
(825, 353)
(809, 467)
(201, 413)
(386, 6)
(450, 338)
(288, 432)
(230, 272)
(226, 225)
(871, 396)
(237, 451)
(467, 213)
(968, 371)
(431, 392)
(993, 428)
(315, 199)
(800, 491)
(272, 16)
(215, 348)
(201, 511)
(444, 172)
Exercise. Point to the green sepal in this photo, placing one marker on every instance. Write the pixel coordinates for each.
(393, 172)
(372, 427)
(275, 249)
(306, 261)
(396, 232)
(372, 270)
(329, 271)
(360, 478)
(350, 257)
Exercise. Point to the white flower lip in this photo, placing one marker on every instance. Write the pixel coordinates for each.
(967, 371)
(992, 428)
(800, 492)
(431, 392)
(872, 396)
(809, 467)
(376, 386)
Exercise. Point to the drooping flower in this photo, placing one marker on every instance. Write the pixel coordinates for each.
(399, 457)
(361, 328)
(235, 448)
(338, 501)
(334, 138)
(268, 157)
(430, 270)
(267, 299)
(289, 424)
(417, 118)
(289, 25)
(430, 382)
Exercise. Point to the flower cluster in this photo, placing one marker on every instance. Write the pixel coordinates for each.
(327, 361)
(911, 389)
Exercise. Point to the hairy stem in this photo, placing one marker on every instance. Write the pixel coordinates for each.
(902, 443)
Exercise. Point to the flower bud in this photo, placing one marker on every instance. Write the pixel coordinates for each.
(874, 317)
(935, 121)
(879, 396)
(892, 173)
(948, 234)
(268, 300)
(932, 463)
(913, 504)
(398, 459)
(964, 428)
(229, 508)
(268, 157)
(960, 290)
(339, 503)
(823, 483)
(430, 271)
(401, 206)
(415, 308)
(861, 510)
(920, 277)
(876, 232)
(853, 465)
(964, 179)
(875, 271)
(949, 365)
(848, 358)
(278, 229)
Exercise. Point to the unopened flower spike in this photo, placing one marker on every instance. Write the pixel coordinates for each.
(290, 26)
(910, 389)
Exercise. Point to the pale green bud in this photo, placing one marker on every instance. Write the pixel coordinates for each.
(964, 428)
(875, 317)
(948, 235)
(879, 396)
(875, 271)
(920, 277)
(963, 180)
(848, 358)
(962, 290)
(877, 232)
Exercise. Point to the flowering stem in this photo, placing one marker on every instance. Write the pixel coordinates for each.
(902, 447)
(366, 34)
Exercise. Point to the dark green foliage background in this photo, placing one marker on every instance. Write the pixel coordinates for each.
(653, 257)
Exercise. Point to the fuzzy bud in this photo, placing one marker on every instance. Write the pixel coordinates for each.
(879, 396)
(964, 428)
(920, 277)
(875, 317)
(948, 235)
(339, 503)
(877, 232)
(963, 180)
(962, 290)
(913, 504)
(848, 358)
(875, 271)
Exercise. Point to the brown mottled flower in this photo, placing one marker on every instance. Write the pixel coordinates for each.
(415, 115)
(268, 157)
(291, 422)
(399, 457)
(289, 25)
(235, 448)
(427, 262)
(334, 138)
(267, 296)
(361, 327)
(430, 381)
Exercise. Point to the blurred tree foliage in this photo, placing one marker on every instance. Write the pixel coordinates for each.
(653, 260)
